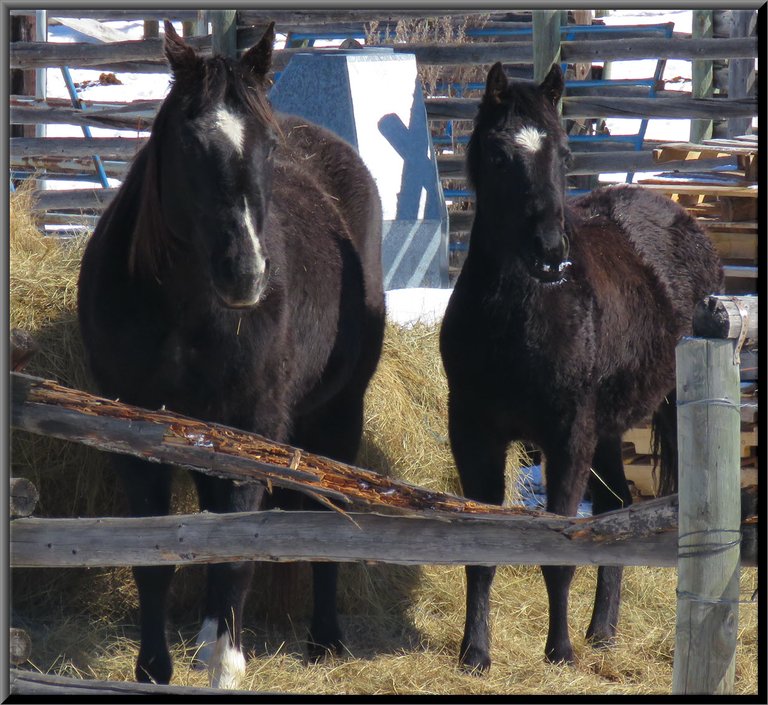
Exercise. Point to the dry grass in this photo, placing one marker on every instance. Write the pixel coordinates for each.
(402, 624)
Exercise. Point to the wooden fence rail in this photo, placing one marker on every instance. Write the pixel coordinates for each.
(28, 683)
(33, 55)
(440, 528)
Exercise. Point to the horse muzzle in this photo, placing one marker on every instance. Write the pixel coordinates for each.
(549, 264)
(242, 287)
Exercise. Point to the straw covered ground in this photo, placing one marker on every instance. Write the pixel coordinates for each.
(403, 625)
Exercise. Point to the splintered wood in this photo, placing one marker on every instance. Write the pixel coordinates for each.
(45, 407)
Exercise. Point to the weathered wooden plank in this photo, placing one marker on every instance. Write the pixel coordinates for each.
(29, 683)
(709, 532)
(85, 199)
(28, 55)
(546, 42)
(93, 28)
(453, 167)
(23, 496)
(708, 148)
(46, 167)
(701, 73)
(643, 535)
(709, 189)
(108, 148)
(224, 29)
(19, 646)
(139, 115)
(135, 116)
(620, 107)
(741, 71)
(659, 47)
(47, 408)
(727, 317)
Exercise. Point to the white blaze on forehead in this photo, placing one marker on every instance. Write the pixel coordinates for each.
(530, 138)
(258, 255)
(232, 126)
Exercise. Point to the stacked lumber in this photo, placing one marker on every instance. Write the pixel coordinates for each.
(724, 201)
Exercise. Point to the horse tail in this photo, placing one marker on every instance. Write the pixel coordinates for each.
(664, 443)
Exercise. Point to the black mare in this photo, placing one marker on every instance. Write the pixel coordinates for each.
(560, 331)
(235, 278)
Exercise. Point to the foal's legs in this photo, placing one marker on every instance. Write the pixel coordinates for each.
(567, 469)
(479, 453)
(609, 491)
(148, 490)
(228, 584)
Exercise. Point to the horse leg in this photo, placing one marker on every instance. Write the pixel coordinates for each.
(567, 472)
(148, 490)
(205, 644)
(479, 453)
(609, 491)
(228, 585)
(334, 431)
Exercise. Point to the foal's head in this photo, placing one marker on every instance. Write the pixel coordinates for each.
(210, 171)
(517, 159)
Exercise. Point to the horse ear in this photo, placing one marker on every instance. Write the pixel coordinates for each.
(553, 84)
(180, 55)
(258, 58)
(495, 84)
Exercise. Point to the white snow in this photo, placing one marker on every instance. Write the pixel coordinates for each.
(407, 307)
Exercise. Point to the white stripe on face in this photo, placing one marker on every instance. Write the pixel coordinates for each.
(232, 126)
(530, 138)
(258, 256)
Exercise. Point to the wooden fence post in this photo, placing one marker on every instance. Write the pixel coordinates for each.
(741, 72)
(224, 32)
(546, 41)
(709, 514)
(702, 74)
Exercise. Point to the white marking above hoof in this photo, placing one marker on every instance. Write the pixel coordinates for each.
(205, 644)
(227, 667)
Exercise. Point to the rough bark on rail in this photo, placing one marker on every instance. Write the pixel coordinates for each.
(47, 408)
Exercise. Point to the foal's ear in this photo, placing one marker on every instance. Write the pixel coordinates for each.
(258, 58)
(553, 84)
(495, 83)
(180, 55)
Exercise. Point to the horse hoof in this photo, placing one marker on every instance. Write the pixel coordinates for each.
(158, 671)
(601, 640)
(559, 656)
(318, 652)
(474, 661)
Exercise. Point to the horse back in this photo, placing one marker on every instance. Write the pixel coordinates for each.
(665, 239)
(333, 166)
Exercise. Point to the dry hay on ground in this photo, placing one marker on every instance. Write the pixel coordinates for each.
(403, 625)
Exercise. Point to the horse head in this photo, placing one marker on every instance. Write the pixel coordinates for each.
(517, 160)
(210, 156)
